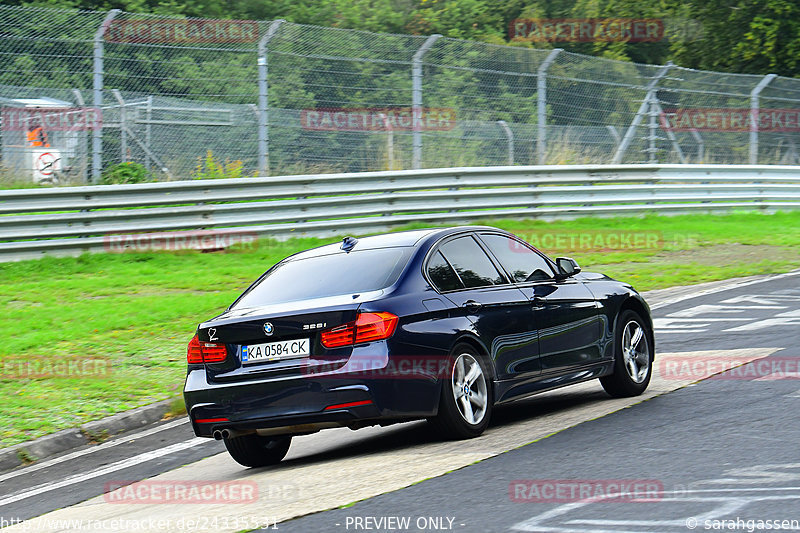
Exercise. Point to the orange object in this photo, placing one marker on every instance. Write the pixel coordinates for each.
(37, 137)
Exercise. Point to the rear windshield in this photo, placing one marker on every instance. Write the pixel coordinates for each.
(327, 275)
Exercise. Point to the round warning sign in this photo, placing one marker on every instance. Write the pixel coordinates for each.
(46, 163)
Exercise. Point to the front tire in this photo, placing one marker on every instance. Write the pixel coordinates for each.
(633, 357)
(465, 404)
(254, 450)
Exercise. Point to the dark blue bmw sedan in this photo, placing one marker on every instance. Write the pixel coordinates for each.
(439, 324)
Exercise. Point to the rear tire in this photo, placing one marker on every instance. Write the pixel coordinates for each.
(254, 450)
(633, 357)
(465, 404)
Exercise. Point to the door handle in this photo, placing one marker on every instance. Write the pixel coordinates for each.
(472, 305)
(538, 302)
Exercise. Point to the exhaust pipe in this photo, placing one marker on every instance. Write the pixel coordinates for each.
(226, 433)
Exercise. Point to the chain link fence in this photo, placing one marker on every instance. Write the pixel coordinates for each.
(193, 98)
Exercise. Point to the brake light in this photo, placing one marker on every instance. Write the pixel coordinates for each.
(367, 327)
(205, 352)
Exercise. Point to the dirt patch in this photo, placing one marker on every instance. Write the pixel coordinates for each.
(729, 254)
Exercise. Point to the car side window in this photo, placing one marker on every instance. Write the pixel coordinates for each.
(522, 263)
(442, 275)
(471, 263)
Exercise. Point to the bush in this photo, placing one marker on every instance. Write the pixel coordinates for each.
(126, 173)
(209, 168)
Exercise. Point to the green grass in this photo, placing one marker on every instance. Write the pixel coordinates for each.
(139, 310)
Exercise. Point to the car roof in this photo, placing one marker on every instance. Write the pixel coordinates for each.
(411, 238)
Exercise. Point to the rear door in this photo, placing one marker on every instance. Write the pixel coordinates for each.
(566, 313)
(499, 311)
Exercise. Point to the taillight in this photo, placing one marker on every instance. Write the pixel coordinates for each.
(338, 336)
(375, 326)
(205, 352)
(213, 353)
(193, 355)
(368, 327)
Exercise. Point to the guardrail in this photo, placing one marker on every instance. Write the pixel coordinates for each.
(72, 220)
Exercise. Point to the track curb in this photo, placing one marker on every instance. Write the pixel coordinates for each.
(83, 435)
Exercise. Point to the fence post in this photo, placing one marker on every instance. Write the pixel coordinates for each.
(653, 127)
(389, 141)
(510, 137)
(97, 85)
(643, 108)
(123, 127)
(655, 111)
(263, 99)
(754, 108)
(416, 99)
(84, 159)
(541, 104)
(147, 131)
(701, 145)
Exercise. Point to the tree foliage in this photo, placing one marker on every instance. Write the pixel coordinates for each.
(753, 36)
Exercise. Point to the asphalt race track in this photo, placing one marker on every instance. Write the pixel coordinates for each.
(713, 441)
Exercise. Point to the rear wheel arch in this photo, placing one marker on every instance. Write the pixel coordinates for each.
(478, 346)
(460, 395)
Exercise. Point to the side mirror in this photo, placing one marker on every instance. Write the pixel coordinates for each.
(567, 267)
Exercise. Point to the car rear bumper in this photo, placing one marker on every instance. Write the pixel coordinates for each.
(347, 396)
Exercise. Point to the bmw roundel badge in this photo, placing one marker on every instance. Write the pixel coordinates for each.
(269, 329)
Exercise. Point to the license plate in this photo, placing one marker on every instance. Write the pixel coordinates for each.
(273, 351)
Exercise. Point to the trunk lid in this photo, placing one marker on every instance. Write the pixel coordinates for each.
(280, 340)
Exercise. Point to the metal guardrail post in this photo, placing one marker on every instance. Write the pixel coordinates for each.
(97, 85)
(263, 98)
(754, 108)
(416, 99)
(643, 108)
(541, 104)
(510, 137)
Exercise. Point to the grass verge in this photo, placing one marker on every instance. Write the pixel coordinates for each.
(139, 310)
